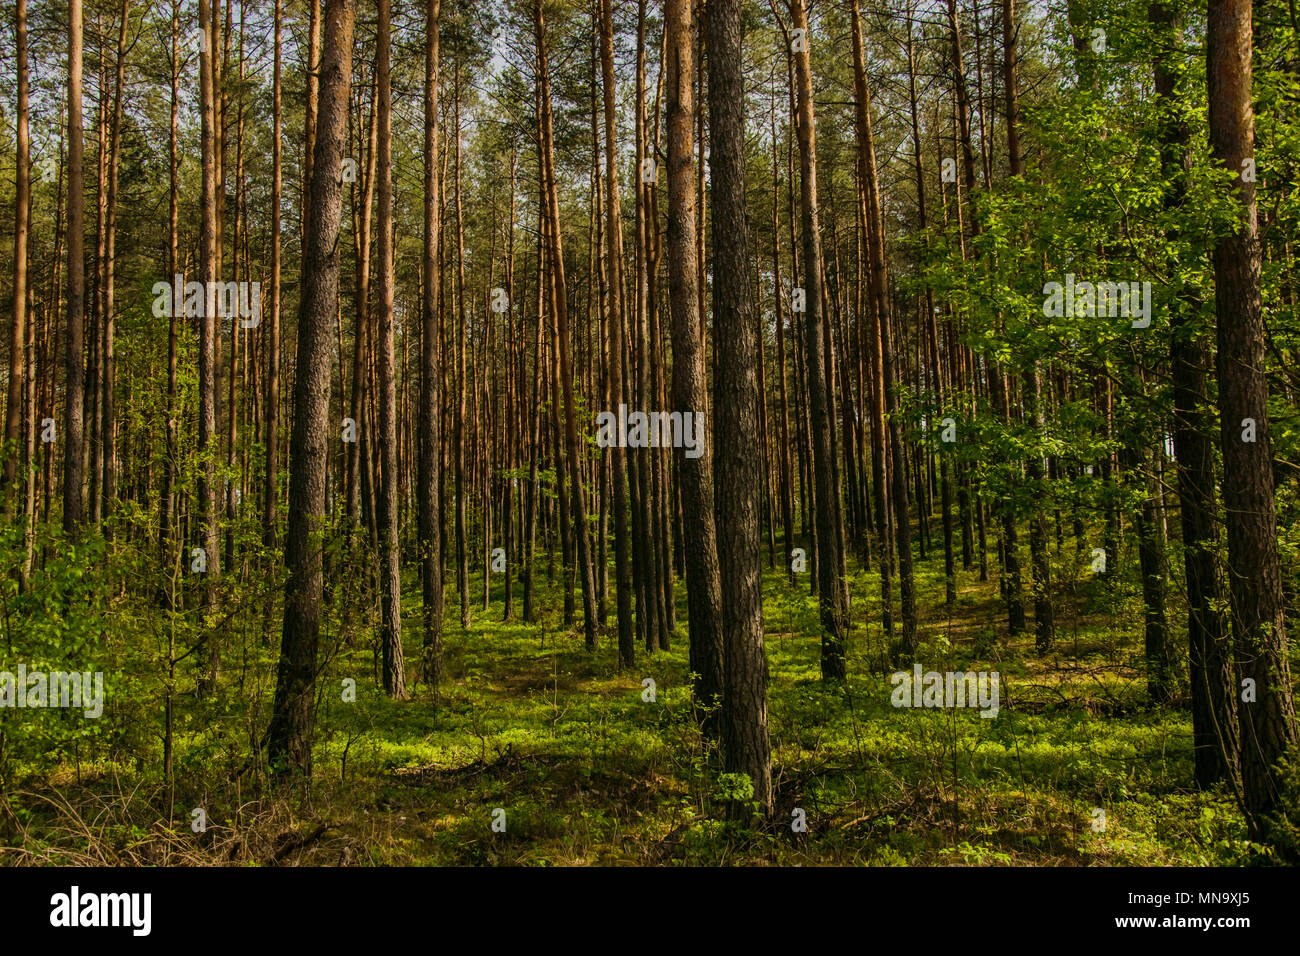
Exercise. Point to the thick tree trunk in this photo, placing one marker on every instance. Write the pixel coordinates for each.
(745, 743)
(1268, 728)
(289, 738)
(703, 586)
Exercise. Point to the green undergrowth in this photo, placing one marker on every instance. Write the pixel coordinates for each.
(1077, 767)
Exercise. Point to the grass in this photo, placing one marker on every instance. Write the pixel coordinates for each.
(1076, 769)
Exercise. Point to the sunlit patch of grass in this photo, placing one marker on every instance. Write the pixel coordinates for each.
(590, 771)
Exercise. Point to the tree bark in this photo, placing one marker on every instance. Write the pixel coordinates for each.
(614, 263)
(22, 213)
(745, 744)
(289, 738)
(1268, 729)
(703, 586)
(75, 381)
(574, 452)
(272, 413)
(429, 494)
(394, 674)
(831, 589)
(1214, 703)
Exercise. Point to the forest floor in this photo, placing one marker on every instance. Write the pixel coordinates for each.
(1077, 768)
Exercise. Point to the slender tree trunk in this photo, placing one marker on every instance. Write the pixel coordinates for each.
(310, 109)
(932, 331)
(579, 506)
(778, 294)
(22, 212)
(1151, 561)
(1214, 701)
(429, 495)
(1044, 618)
(462, 545)
(884, 312)
(647, 577)
(75, 381)
(109, 376)
(390, 571)
(360, 358)
(167, 496)
(832, 592)
(614, 263)
(534, 490)
(272, 414)
(209, 348)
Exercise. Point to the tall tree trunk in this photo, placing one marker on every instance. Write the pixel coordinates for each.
(945, 469)
(289, 738)
(614, 263)
(884, 313)
(783, 436)
(647, 576)
(272, 413)
(75, 381)
(93, 451)
(208, 346)
(579, 516)
(390, 571)
(429, 494)
(310, 109)
(1214, 701)
(831, 589)
(462, 545)
(167, 496)
(1268, 728)
(998, 387)
(745, 744)
(108, 408)
(1044, 618)
(360, 358)
(22, 212)
(703, 587)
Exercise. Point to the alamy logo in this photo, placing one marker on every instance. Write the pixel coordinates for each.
(53, 689)
(947, 689)
(651, 430)
(223, 300)
(1082, 299)
(102, 909)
